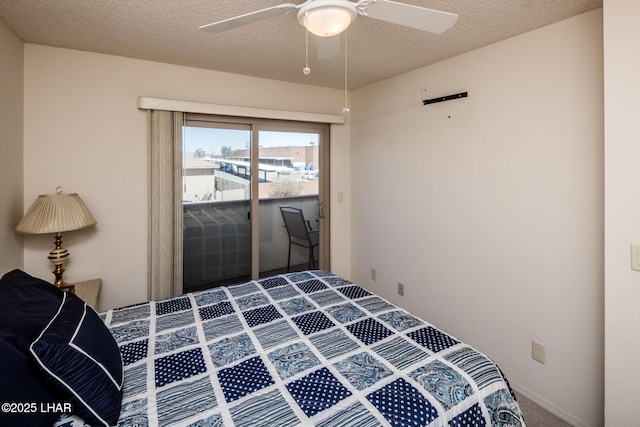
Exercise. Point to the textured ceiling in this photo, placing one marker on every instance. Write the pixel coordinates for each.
(167, 31)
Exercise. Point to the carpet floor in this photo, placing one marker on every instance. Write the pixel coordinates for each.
(536, 416)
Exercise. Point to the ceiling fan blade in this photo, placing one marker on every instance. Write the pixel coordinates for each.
(328, 47)
(248, 18)
(408, 15)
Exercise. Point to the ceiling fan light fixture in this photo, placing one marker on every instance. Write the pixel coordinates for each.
(327, 18)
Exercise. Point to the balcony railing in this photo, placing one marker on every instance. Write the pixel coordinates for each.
(217, 239)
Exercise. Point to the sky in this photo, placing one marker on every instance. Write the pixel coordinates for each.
(212, 139)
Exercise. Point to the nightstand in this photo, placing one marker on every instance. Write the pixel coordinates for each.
(88, 291)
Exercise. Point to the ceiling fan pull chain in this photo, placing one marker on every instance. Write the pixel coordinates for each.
(306, 70)
(345, 110)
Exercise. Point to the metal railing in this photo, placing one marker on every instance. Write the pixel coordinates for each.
(217, 239)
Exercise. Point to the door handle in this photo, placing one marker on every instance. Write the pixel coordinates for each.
(322, 206)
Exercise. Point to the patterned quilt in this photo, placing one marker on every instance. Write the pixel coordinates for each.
(299, 349)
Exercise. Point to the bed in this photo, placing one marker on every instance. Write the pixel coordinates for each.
(298, 349)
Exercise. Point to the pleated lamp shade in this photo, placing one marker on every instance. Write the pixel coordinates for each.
(56, 213)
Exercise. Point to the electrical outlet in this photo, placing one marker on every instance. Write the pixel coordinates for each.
(373, 275)
(538, 352)
(400, 289)
(635, 256)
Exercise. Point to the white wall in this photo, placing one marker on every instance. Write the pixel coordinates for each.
(622, 210)
(340, 201)
(489, 209)
(84, 132)
(11, 210)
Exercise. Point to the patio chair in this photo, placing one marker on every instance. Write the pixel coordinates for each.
(300, 233)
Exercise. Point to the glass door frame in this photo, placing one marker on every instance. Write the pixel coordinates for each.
(323, 132)
(257, 125)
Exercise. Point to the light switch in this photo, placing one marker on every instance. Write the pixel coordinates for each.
(635, 256)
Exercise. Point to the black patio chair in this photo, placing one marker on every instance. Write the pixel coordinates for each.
(300, 233)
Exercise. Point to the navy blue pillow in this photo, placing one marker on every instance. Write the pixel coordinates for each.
(81, 362)
(27, 304)
(18, 385)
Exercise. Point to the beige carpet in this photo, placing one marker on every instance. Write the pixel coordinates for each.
(535, 416)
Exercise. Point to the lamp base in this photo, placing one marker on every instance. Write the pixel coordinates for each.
(59, 282)
(58, 257)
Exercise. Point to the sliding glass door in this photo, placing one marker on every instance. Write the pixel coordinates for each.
(216, 205)
(289, 178)
(237, 173)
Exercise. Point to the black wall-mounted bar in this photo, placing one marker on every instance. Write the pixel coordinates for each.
(445, 98)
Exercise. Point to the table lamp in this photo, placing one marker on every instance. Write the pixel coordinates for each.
(56, 213)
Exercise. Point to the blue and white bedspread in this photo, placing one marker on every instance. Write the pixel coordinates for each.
(299, 349)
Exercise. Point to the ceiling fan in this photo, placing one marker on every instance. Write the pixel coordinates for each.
(328, 18)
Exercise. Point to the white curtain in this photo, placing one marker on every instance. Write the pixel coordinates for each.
(165, 204)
